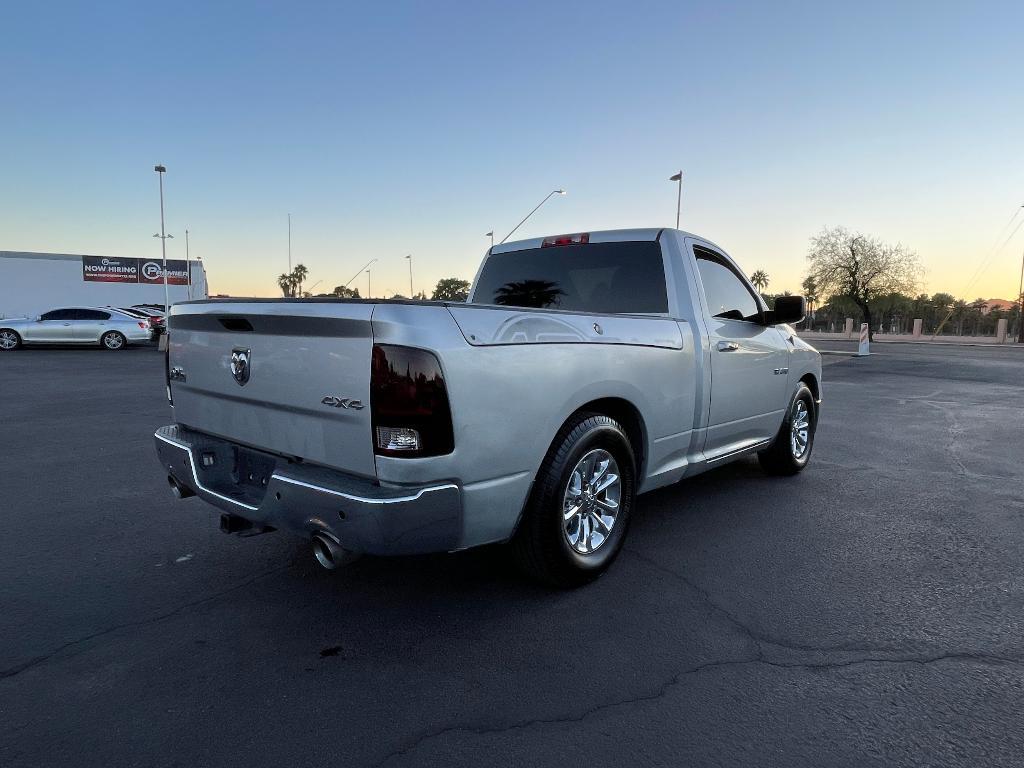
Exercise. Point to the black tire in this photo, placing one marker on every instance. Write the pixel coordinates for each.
(783, 457)
(541, 544)
(10, 340)
(113, 340)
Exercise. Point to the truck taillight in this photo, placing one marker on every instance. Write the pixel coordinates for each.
(579, 239)
(409, 403)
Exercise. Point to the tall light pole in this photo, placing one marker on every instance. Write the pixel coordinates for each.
(1020, 303)
(368, 295)
(517, 226)
(188, 267)
(679, 195)
(289, 243)
(411, 292)
(161, 170)
(491, 235)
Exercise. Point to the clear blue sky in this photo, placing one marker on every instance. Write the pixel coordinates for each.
(397, 128)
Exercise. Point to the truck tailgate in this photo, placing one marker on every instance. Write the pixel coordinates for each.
(288, 377)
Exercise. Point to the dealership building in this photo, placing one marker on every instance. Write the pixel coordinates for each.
(33, 283)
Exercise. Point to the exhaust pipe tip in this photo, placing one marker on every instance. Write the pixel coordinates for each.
(179, 490)
(329, 553)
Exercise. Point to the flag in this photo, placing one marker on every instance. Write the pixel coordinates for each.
(677, 177)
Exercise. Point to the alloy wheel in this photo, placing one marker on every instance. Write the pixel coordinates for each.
(590, 504)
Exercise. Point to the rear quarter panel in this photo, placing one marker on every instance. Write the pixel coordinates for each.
(511, 394)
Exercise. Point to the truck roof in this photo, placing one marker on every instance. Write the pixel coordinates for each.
(602, 236)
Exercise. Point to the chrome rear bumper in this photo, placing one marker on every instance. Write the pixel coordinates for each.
(272, 491)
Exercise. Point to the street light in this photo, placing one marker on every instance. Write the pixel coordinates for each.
(188, 267)
(517, 226)
(161, 170)
(368, 284)
(411, 294)
(357, 274)
(679, 196)
(491, 235)
(162, 238)
(1020, 302)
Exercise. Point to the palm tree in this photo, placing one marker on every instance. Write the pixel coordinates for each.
(760, 280)
(810, 289)
(529, 293)
(299, 275)
(287, 286)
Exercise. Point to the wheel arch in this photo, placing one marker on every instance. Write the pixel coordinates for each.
(812, 384)
(118, 331)
(624, 412)
(21, 339)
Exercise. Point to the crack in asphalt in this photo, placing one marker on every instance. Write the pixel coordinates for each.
(758, 640)
(41, 659)
(662, 690)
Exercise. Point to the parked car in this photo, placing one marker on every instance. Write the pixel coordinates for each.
(583, 370)
(108, 327)
(155, 319)
(157, 313)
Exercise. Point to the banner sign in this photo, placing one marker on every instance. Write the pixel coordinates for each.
(152, 271)
(105, 269)
(102, 269)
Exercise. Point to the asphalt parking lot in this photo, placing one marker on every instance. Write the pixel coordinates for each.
(867, 612)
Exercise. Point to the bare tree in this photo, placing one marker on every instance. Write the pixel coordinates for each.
(861, 267)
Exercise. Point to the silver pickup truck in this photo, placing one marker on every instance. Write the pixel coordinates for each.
(583, 370)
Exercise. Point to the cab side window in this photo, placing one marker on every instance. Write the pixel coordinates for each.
(59, 314)
(92, 314)
(727, 295)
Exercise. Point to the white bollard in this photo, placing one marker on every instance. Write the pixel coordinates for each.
(862, 348)
(849, 328)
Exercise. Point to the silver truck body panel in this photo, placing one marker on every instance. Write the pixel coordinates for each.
(513, 376)
(298, 354)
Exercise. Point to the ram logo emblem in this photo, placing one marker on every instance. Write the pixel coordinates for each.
(240, 365)
(342, 402)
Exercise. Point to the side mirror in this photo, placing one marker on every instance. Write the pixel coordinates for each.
(788, 309)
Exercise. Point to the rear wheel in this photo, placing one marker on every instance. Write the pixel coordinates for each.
(113, 340)
(792, 447)
(9, 340)
(578, 514)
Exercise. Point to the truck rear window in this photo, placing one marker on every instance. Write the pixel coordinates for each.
(627, 278)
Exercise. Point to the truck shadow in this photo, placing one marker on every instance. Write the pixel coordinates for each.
(735, 488)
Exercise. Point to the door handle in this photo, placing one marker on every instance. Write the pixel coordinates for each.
(728, 346)
(67, 323)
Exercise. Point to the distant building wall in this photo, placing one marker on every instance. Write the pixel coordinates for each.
(32, 283)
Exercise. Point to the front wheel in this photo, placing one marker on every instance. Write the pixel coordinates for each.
(9, 340)
(113, 340)
(578, 513)
(792, 447)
